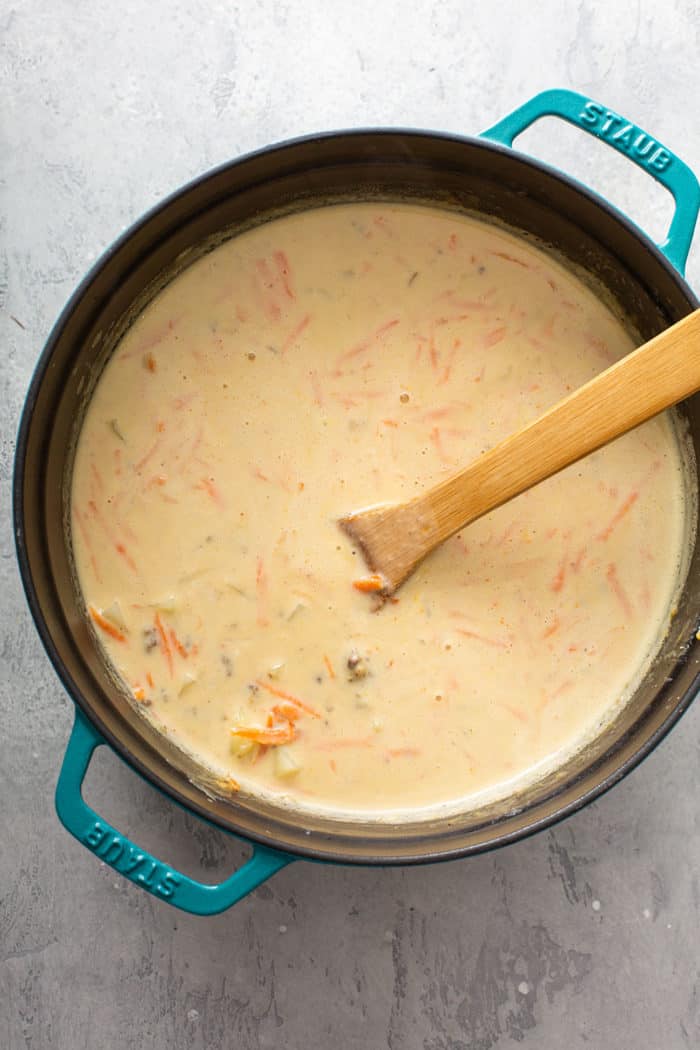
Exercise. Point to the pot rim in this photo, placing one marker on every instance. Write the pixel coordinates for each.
(256, 836)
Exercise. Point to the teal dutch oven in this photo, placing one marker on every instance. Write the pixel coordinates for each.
(486, 176)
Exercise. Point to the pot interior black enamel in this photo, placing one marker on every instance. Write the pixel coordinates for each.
(472, 174)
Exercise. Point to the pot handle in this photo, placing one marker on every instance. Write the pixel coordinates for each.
(136, 864)
(641, 148)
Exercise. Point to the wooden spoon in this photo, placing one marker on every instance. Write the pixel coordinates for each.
(394, 538)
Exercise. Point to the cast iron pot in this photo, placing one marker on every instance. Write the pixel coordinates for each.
(483, 175)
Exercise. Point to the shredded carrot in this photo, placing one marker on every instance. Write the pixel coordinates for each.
(332, 764)
(96, 476)
(390, 423)
(436, 439)
(183, 402)
(436, 413)
(548, 330)
(261, 587)
(511, 258)
(177, 644)
(208, 485)
(147, 456)
(149, 362)
(495, 642)
(106, 625)
(403, 752)
(578, 560)
(139, 692)
(149, 679)
(329, 665)
(355, 397)
(560, 575)
(618, 590)
(552, 629)
(164, 644)
(506, 535)
(619, 514)
(516, 713)
(118, 546)
(447, 371)
(121, 549)
(366, 344)
(294, 334)
(369, 584)
(599, 345)
(493, 337)
(286, 711)
(284, 270)
(270, 736)
(287, 696)
(547, 698)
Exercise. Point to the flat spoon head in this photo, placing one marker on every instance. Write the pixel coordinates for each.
(394, 538)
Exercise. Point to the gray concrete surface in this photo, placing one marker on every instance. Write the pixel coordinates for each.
(586, 936)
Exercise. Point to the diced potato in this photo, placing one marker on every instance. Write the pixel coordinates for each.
(286, 762)
(114, 614)
(240, 747)
(186, 681)
(168, 603)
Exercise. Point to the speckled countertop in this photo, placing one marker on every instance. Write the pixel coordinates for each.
(582, 936)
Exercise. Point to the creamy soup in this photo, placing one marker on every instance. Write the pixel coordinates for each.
(314, 365)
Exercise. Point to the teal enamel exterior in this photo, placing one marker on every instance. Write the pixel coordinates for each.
(624, 136)
(136, 864)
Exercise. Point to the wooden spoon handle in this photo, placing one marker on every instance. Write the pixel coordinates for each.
(645, 382)
(395, 538)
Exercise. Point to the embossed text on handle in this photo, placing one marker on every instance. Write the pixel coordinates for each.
(626, 137)
(121, 855)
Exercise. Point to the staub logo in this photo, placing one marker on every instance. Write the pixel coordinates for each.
(624, 136)
(121, 855)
